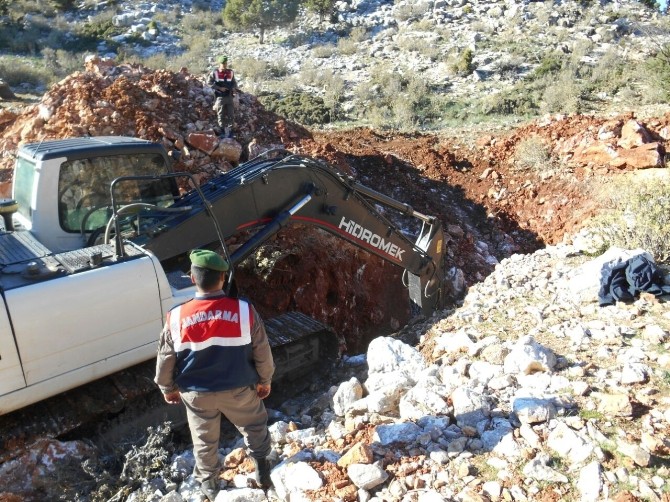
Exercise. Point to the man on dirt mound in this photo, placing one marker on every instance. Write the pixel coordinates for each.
(222, 80)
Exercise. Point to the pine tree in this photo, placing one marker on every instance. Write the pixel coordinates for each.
(322, 7)
(259, 14)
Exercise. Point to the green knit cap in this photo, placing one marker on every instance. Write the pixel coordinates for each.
(205, 258)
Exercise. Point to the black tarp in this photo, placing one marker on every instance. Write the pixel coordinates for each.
(624, 281)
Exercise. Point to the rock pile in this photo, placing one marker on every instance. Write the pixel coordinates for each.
(622, 142)
(109, 99)
(529, 391)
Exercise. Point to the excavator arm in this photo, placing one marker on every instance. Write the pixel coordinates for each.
(266, 194)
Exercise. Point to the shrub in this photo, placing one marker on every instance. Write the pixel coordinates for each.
(347, 46)
(406, 11)
(197, 23)
(298, 106)
(323, 51)
(62, 5)
(638, 214)
(16, 72)
(358, 34)
(518, 101)
(562, 95)
(396, 100)
(657, 71)
(255, 70)
(532, 153)
(62, 62)
(20, 40)
(413, 43)
(549, 65)
(333, 93)
(279, 68)
(88, 35)
(463, 64)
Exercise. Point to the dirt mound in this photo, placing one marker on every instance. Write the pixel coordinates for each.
(491, 202)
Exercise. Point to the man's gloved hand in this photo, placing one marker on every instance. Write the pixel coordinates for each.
(173, 397)
(263, 391)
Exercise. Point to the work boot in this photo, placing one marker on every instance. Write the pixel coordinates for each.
(210, 488)
(262, 474)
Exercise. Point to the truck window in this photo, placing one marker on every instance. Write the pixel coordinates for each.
(24, 178)
(84, 188)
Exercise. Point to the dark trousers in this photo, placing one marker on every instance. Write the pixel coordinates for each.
(225, 112)
(246, 412)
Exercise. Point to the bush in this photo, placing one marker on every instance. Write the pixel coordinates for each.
(562, 95)
(358, 34)
(16, 72)
(333, 93)
(199, 24)
(90, 34)
(255, 70)
(658, 71)
(347, 46)
(298, 106)
(549, 65)
(323, 51)
(532, 153)
(396, 100)
(406, 11)
(463, 64)
(61, 62)
(520, 101)
(18, 40)
(62, 5)
(638, 214)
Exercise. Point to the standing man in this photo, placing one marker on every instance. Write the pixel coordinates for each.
(214, 356)
(222, 80)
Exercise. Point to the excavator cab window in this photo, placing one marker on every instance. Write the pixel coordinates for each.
(84, 198)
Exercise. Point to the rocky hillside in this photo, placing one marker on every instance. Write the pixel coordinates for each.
(508, 41)
(408, 64)
(529, 391)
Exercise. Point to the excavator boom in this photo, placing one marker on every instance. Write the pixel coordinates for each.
(269, 193)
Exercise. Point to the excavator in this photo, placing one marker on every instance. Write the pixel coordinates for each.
(94, 251)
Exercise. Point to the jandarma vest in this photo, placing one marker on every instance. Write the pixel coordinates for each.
(212, 340)
(225, 78)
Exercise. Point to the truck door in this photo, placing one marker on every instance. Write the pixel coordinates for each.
(11, 376)
(89, 324)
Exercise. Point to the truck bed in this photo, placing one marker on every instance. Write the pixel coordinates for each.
(24, 260)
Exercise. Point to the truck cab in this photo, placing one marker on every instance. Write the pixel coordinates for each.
(74, 176)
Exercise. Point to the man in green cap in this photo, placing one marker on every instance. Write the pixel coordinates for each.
(214, 356)
(222, 80)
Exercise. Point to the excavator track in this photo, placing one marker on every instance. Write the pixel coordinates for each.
(128, 401)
